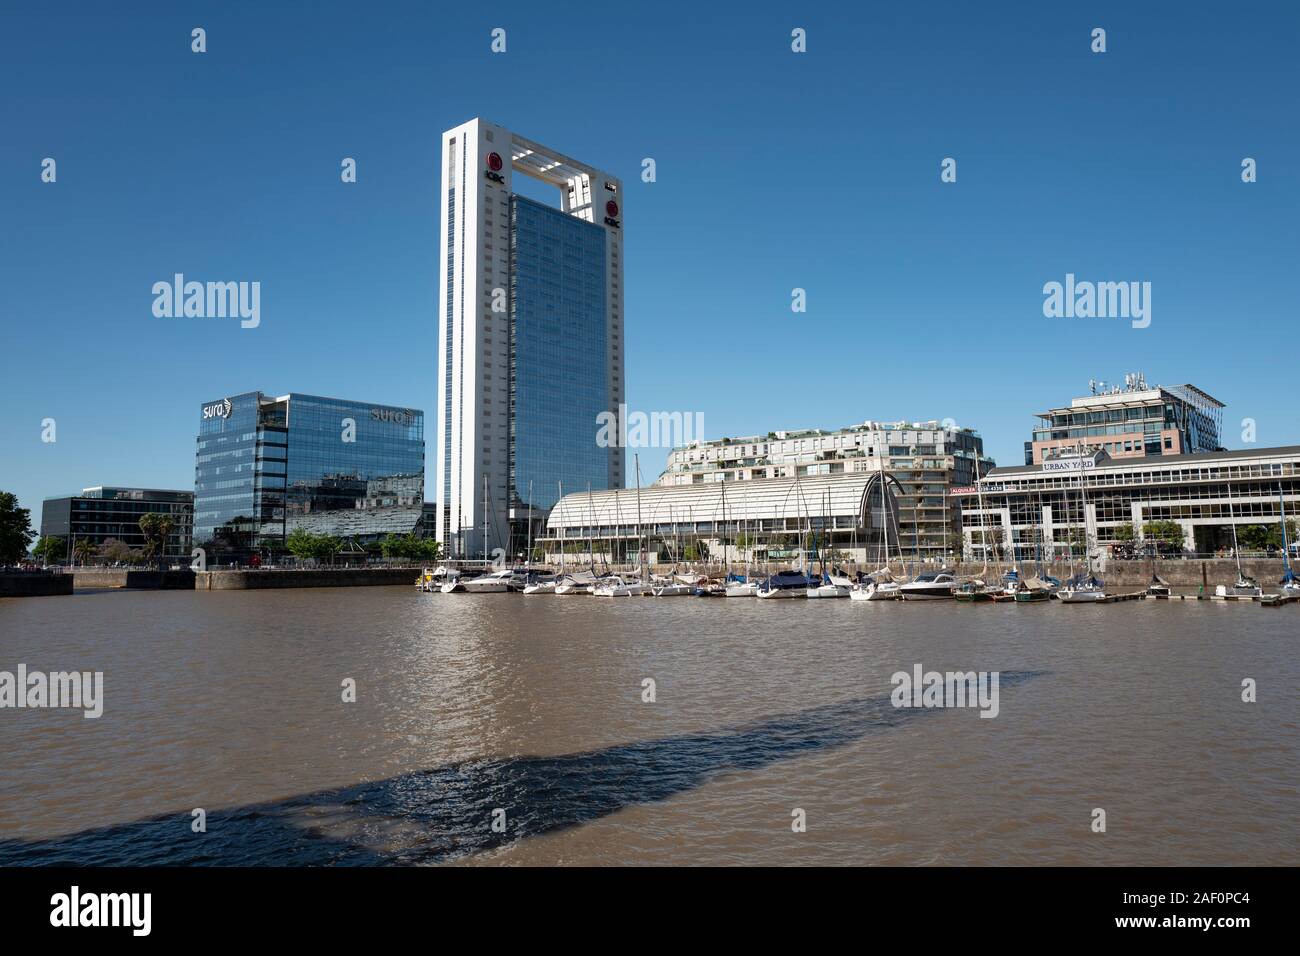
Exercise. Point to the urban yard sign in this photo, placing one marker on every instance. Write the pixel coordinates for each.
(1070, 464)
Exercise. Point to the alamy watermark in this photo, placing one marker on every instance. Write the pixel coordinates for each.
(648, 430)
(209, 300)
(1102, 300)
(82, 690)
(946, 689)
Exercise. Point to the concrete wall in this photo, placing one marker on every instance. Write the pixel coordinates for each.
(133, 578)
(317, 578)
(30, 584)
(1136, 575)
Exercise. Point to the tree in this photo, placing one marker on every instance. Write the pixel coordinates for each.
(15, 529)
(84, 549)
(155, 527)
(301, 544)
(49, 550)
(1168, 535)
(115, 550)
(1258, 537)
(1125, 533)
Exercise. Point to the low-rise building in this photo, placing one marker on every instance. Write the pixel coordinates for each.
(773, 520)
(926, 459)
(103, 513)
(1047, 509)
(1130, 421)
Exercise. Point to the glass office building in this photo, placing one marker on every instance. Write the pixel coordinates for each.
(558, 376)
(530, 336)
(100, 514)
(266, 466)
(1130, 421)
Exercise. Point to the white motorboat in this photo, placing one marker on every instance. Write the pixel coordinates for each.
(616, 586)
(875, 591)
(831, 586)
(541, 587)
(494, 583)
(741, 588)
(931, 586)
(432, 581)
(672, 589)
(1089, 591)
(575, 583)
(829, 590)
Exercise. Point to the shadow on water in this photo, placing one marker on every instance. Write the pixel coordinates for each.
(431, 816)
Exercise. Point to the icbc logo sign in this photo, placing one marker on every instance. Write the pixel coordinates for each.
(494, 168)
(611, 214)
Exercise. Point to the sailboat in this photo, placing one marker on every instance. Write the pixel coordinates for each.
(1038, 588)
(881, 586)
(738, 586)
(1289, 583)
(1246, 586)
(1159, 587)
(1083, 589)
(975, 591)
(831, 585)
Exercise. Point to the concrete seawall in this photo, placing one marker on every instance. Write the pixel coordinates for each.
(1184, 574)
(318, 578)
(31, 584)
(139, 579)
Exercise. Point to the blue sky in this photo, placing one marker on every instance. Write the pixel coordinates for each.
(775, 170)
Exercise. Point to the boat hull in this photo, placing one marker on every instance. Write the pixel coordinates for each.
(926, 594)
(828, 591)
(1081, 597)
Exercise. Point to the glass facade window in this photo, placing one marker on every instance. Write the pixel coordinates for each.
(559, 378)
(102, 514)
(267, 467)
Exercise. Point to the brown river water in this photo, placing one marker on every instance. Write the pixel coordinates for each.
(469, 705)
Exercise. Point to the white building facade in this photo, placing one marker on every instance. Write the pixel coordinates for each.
(926, 458)
(530, 337)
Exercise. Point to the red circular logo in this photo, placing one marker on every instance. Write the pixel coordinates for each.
(494, 162)
(611, 208)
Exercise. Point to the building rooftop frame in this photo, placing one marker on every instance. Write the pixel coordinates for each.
(549, 165)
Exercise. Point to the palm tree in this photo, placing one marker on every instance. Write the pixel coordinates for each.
(84, 549)
(156, 527)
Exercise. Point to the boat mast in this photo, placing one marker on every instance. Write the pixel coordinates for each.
(1236, 551)
(485, 522)
(1287, 573)
(1083, 516)
(591, 510)
(563, 530)
(640, 550)
(726, 554)
(528, 562)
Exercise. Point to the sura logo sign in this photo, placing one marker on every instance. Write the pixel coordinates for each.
(398, 416)
(219, 409)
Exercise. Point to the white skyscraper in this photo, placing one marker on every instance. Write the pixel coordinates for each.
(530, 336)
